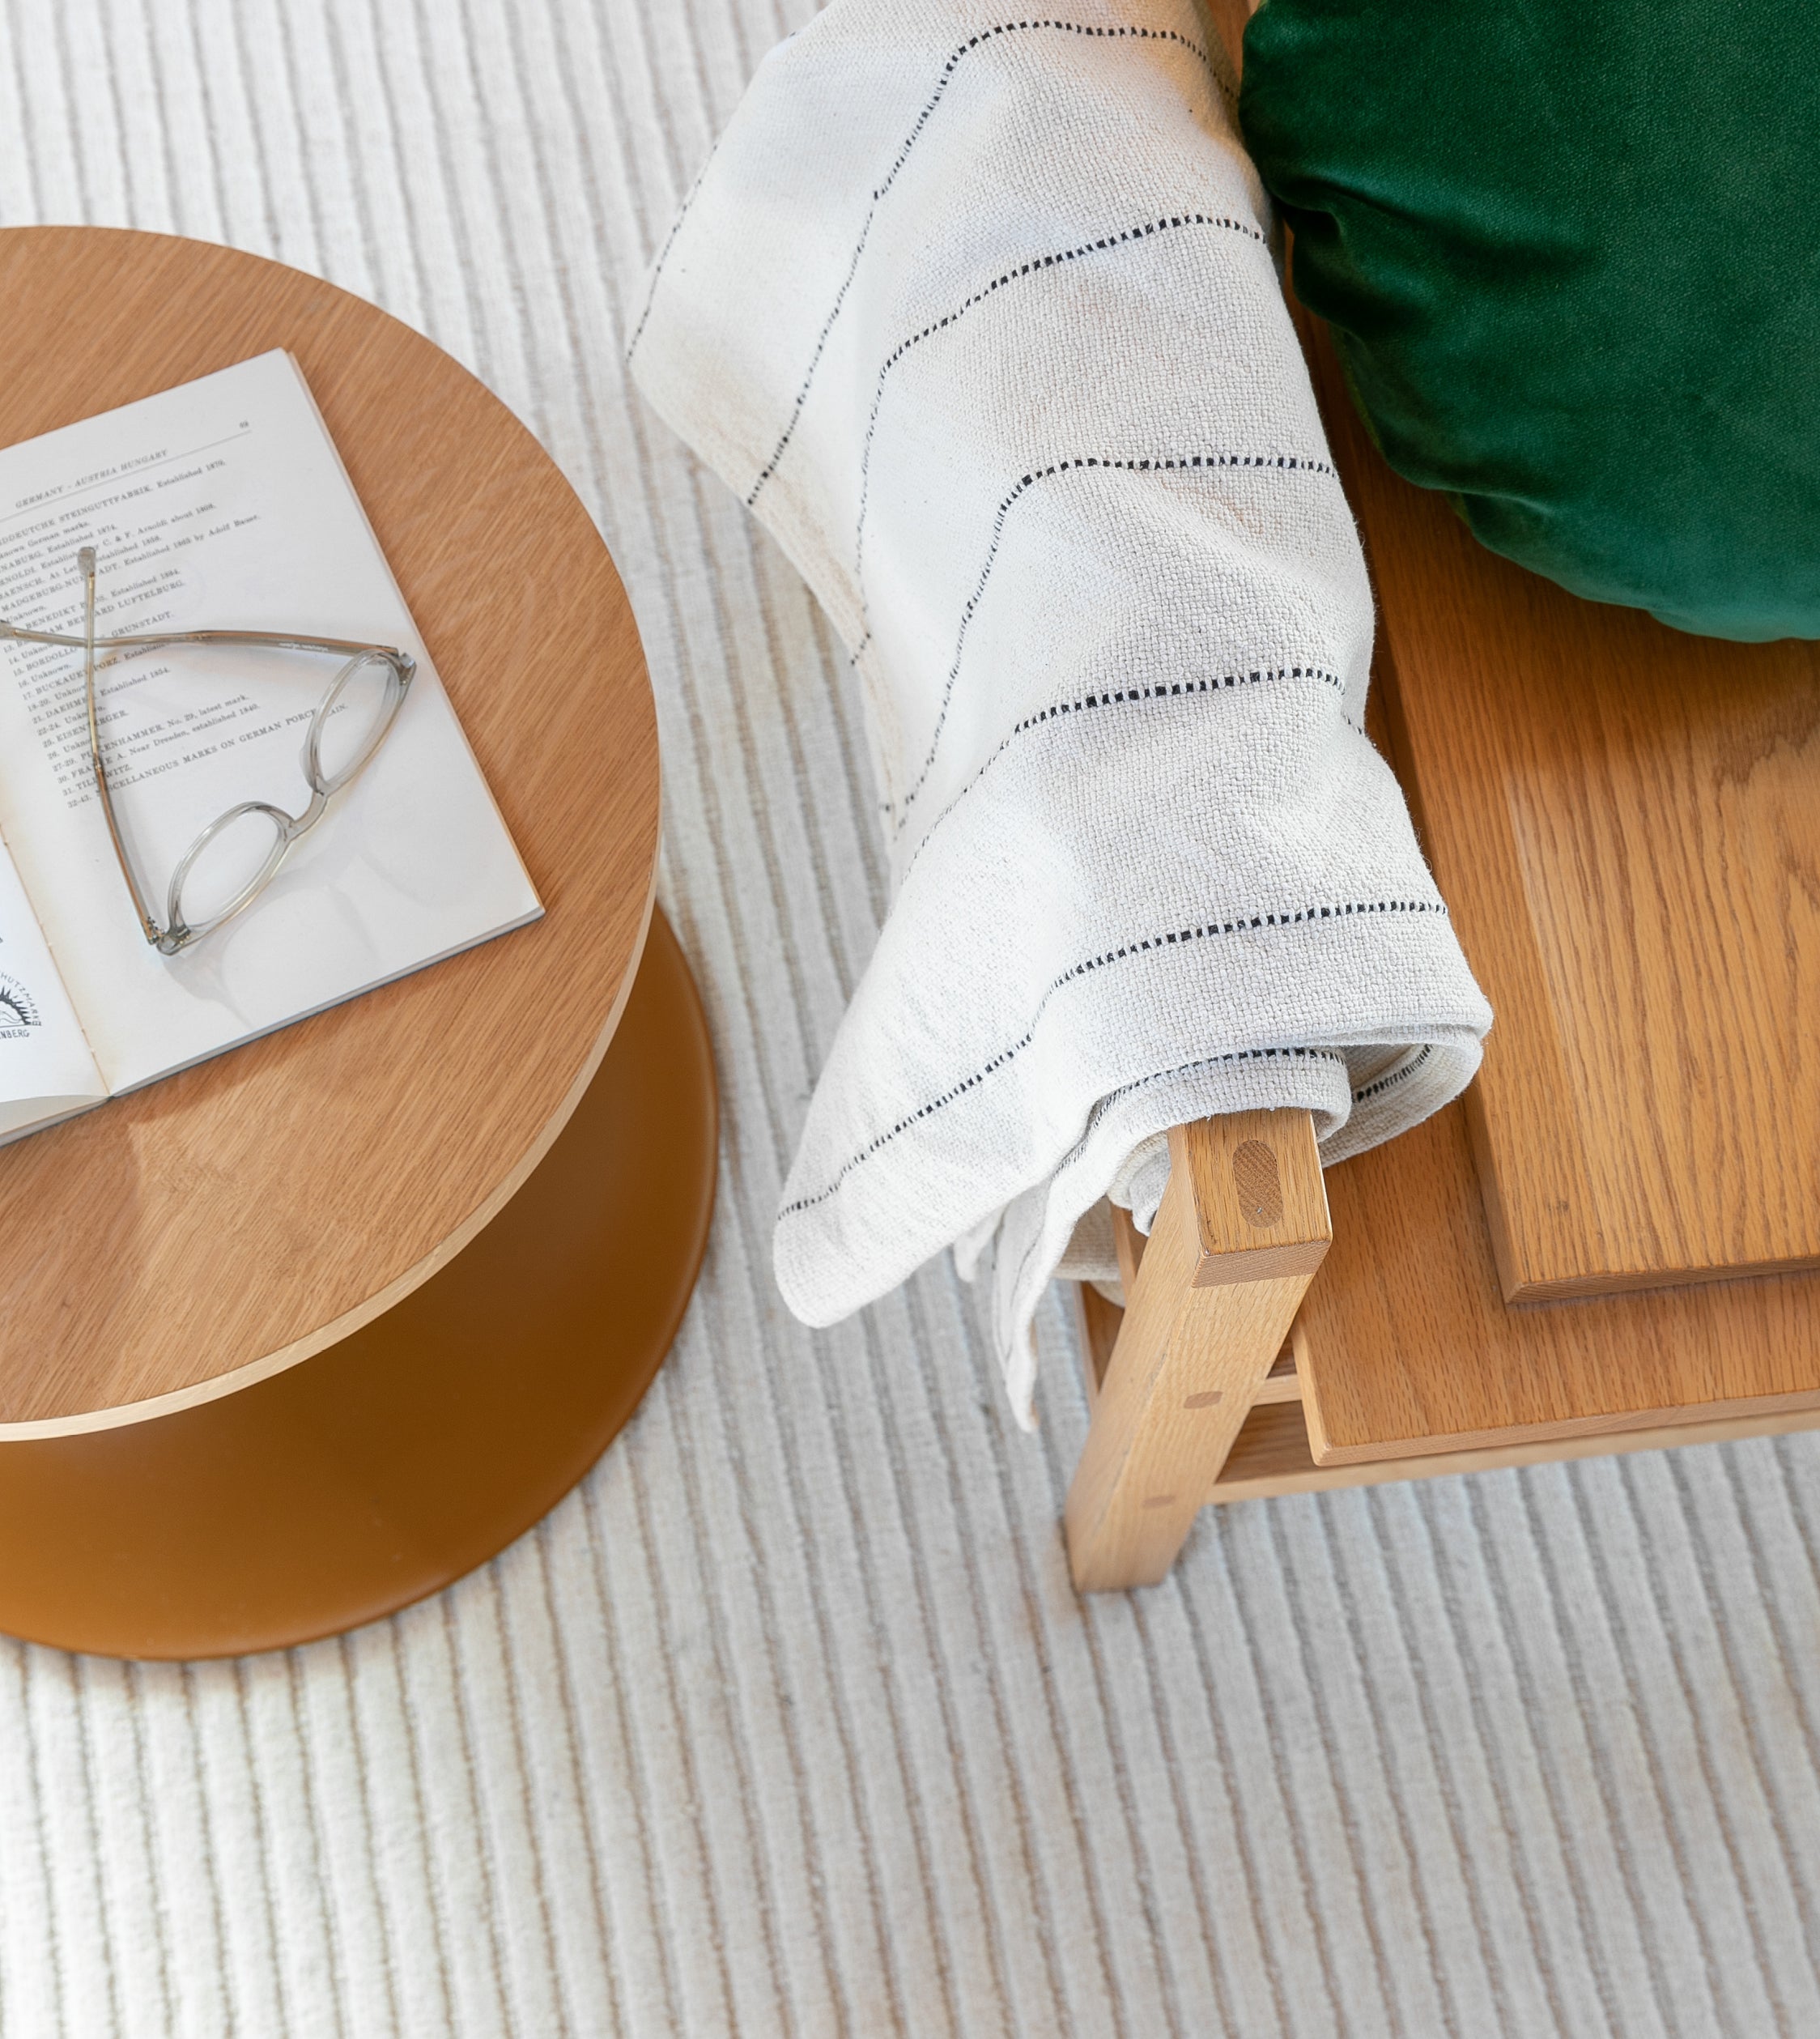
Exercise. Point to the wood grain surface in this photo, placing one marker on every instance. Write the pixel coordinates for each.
(1257, 1196)
(224, 1223)
(1198, 1342)
(1645, 917)
(1625, 822)
(1271, 1456)
(1411, 1348)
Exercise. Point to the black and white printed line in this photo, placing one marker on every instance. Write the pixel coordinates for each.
(1206, 686)
(1038, 265)
(1176, 463)
(1301, 916)
(1099, 33)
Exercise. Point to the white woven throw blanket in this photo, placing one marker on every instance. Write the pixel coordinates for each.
(981, 316)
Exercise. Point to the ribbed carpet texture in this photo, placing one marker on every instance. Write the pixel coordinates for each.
(788, 1721)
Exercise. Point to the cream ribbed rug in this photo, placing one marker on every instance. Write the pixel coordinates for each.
(788, 1723)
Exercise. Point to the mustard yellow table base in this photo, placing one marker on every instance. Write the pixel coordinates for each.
(390, 1464)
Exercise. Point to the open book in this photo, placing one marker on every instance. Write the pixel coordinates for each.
(221, 504)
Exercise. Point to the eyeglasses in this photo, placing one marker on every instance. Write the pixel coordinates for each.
(238, 855)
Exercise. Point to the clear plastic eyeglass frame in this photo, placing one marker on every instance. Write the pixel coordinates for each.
(177, 933)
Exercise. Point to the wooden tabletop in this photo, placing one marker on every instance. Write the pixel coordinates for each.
(1626, 824)
(1624, 820)
(183, 1242)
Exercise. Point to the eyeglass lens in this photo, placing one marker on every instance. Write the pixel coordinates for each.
(228, 864)
(351, 723)
(239, 854)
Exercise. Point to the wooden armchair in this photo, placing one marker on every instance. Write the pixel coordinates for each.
(1611, 1243)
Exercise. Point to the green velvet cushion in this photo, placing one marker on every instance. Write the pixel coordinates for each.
(1570, 253)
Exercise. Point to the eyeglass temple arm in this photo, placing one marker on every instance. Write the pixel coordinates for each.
(148, 923)
(271, 639)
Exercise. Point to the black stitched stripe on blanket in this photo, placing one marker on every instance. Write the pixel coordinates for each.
(948, 71)
(1212, 929)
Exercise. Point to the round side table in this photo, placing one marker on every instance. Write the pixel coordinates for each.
(303, 1334)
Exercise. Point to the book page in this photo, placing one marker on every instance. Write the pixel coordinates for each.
(222, 505)
(46, 1071)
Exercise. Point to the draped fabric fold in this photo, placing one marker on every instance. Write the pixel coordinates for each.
(981, 316)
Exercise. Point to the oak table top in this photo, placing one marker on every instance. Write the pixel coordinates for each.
(1624, 820)
(1642, 1125)
(187, 1240)
(1614, 1234)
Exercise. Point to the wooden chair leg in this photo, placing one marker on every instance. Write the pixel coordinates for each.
(1096, 1328)
(1242, 1228)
